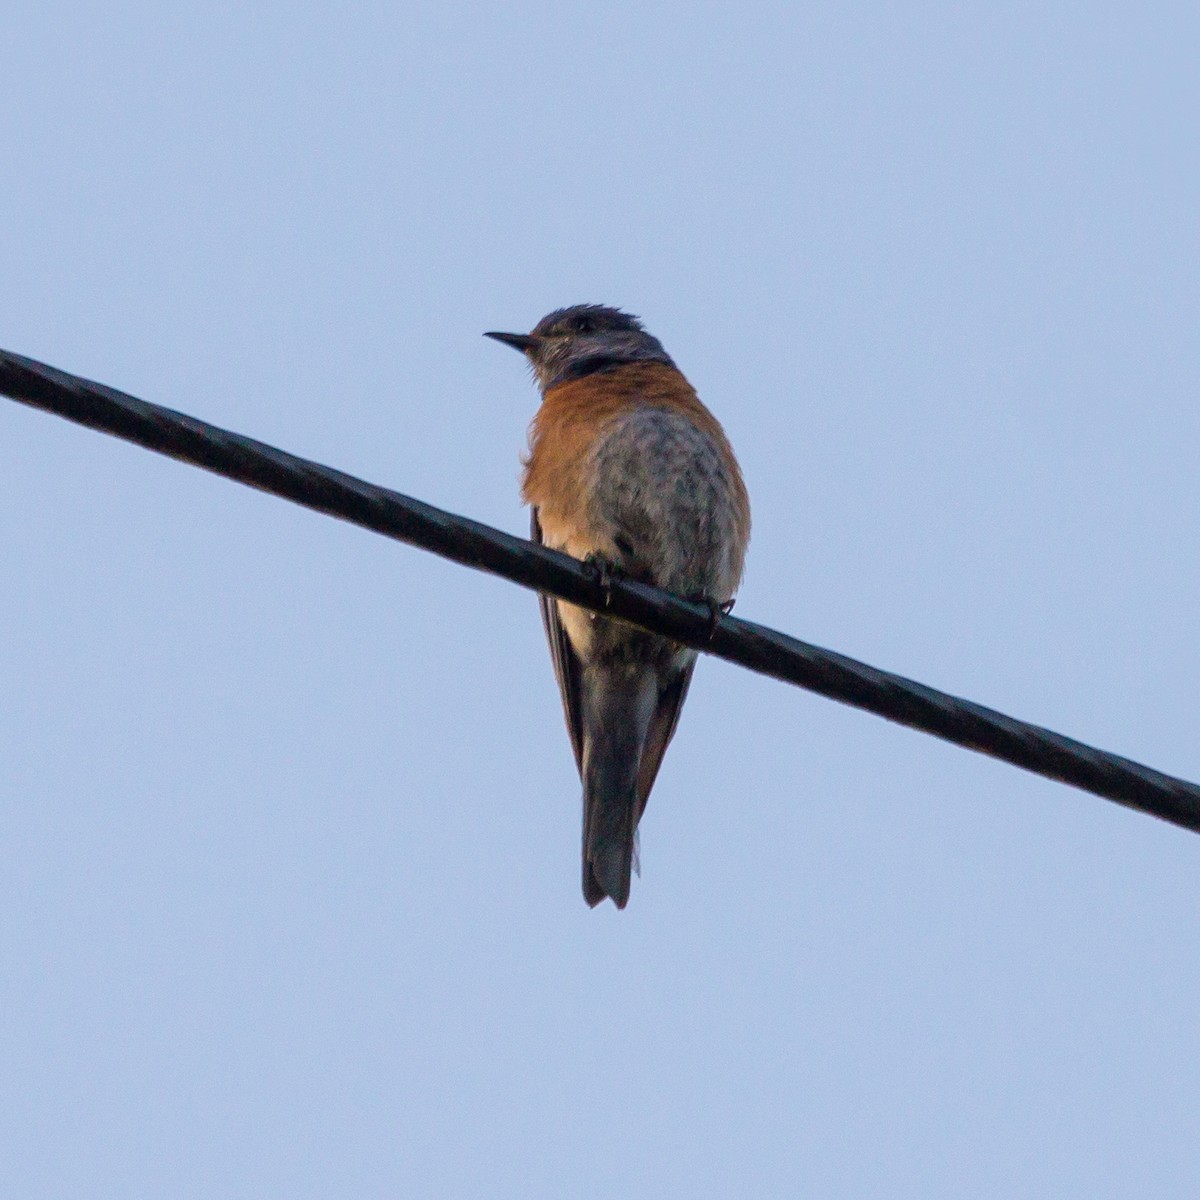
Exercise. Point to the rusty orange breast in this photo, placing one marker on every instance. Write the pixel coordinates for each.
(576, 414)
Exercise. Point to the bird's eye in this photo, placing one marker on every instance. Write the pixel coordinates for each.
(583, 325)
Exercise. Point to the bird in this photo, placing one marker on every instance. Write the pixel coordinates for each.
(630, 472)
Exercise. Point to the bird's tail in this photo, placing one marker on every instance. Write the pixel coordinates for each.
(618, 705)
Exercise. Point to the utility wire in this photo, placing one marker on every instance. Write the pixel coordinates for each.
(476, 545)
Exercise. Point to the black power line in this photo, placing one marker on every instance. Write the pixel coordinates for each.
(476, 545)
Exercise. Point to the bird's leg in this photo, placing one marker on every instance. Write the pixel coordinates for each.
(605, 572)
(716, 611)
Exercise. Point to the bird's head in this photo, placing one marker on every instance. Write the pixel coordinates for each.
(572, 342)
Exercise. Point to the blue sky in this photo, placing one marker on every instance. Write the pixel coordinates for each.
(288, 818)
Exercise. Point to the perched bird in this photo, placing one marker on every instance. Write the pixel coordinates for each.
(628, 470)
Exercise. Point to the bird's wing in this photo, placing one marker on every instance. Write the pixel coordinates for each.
(662, 730)
(567, 668)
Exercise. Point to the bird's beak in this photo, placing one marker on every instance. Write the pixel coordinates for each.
(525, 342)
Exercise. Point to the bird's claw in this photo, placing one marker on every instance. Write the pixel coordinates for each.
(716, 610)
(605, 572)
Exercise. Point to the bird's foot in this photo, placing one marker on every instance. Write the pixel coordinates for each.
(716, 611)
(605, 572)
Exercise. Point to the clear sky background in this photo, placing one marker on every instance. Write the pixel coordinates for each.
(289, 824)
